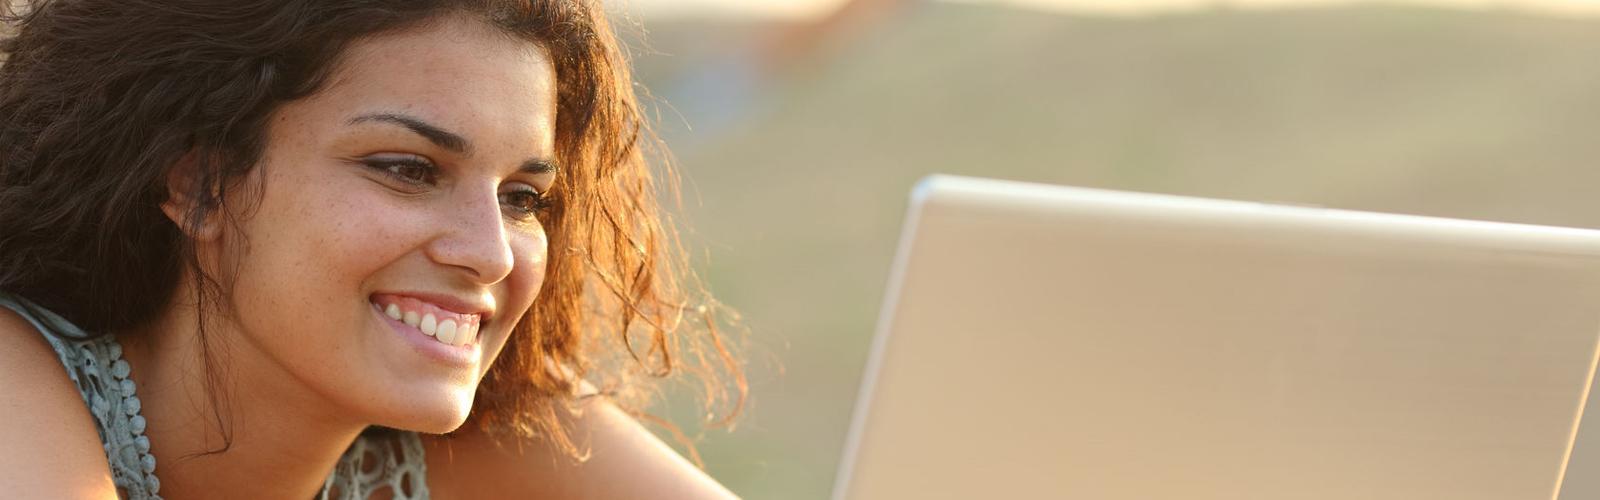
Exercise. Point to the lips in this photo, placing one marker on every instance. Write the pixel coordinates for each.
(447, 326)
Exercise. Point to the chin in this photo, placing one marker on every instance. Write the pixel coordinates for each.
(439, 426)
(437, 414)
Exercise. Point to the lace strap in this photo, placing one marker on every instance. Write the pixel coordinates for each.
(97, 368)
(376, 461)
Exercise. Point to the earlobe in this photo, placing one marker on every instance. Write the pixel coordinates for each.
(180, 205)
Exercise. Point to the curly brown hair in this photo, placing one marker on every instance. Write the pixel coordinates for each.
(100, 98)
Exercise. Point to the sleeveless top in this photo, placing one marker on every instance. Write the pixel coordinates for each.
(374, 462)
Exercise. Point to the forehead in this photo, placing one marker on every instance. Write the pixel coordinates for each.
(458, 73)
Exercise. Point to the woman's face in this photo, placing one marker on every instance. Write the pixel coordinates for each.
(408, 188)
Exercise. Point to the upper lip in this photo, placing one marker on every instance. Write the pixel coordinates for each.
(452, 303)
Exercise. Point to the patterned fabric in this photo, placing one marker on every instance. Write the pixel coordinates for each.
(376, 461)
(390, 461)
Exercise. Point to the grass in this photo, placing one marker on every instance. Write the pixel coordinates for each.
(799, 192)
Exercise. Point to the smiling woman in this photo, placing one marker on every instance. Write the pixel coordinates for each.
(347, 248)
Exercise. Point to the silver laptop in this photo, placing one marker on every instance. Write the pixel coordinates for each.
(1052, 342)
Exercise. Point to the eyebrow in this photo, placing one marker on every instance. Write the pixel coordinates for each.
(537, 167)
(447, 139)
(440, 137)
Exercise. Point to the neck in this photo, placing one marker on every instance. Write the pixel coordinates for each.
(252, 426)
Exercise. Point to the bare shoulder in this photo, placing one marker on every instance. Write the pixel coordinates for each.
(51, 447)
(625, 461)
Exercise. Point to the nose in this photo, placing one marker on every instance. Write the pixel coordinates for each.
(473, 237)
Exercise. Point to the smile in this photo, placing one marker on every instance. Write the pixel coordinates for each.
(445, 326)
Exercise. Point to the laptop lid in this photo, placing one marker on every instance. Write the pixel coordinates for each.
(1053, 342)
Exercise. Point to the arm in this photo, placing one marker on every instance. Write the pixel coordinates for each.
(625, 462)
(51, 449)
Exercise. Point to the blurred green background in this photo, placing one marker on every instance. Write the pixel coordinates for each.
(800, 137)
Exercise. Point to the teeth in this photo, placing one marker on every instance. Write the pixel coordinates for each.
(450, 338)
(448, 332)
(429, 325)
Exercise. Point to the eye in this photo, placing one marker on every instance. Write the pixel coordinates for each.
(523, 202)
(409, 169)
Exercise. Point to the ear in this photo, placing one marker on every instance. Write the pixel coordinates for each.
(180, 204)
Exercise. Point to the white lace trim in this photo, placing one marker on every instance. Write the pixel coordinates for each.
(97, 367)
(374, 462)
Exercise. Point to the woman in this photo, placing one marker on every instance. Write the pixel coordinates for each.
(286, 246)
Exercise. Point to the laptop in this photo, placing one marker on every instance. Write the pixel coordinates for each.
(1053, 342)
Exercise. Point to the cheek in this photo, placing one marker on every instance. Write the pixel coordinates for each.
(355, 233)
(532, 253)
(517, 293)
(314, 237)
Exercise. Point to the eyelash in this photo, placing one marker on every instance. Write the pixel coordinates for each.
(537, 206)
(386, 166)
(430, 176)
